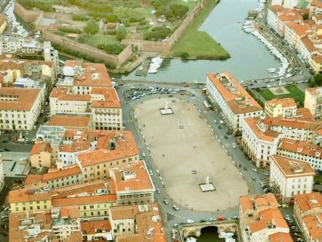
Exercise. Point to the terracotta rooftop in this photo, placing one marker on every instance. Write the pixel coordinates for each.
(265, 134)
(29, 193)
(234, 93)
(105, 98)
(40, 147)
(300, 147)
(308, 201)
(70, 121)
(280, 237)
(78, 201)
(285, 102)
(264, 200)
(19, 99)
(91, 226)
(93, 74)
(139, 179)
(313, 226)
(57, 174)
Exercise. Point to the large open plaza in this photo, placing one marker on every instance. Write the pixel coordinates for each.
(187, 154)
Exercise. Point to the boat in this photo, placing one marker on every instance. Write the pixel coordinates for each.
(271, 70)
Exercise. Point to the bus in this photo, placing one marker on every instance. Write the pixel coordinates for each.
(206, 105)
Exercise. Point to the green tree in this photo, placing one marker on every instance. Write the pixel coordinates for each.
(138, 14)
(318, 79)
(120, 33)
(91, 27)
(178, 10)
(305, 16)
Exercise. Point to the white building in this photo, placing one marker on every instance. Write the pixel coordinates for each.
(258, 141)
(233, 100)
(290, 177)
(19, 108)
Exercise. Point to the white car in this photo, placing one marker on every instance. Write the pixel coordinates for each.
(189, 221)
(143, 154)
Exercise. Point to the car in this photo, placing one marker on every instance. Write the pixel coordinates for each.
(190, 221)
(226, 137)
(175, 225)
(245, 169)
(158, 191)
(151, 172)
(165, 201)
(254, 169)
(175, 207)
(285, 206)
(143, 154)
(202, 221)
(212, 219)
(219, 127)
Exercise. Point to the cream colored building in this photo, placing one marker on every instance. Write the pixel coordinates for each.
(313, 101)
(258, 141)
(259, 218)
(308, 214)
(19, 108)
(2, 182)
(290, 177)
(40, 155)
(235, 103)
(285, 107)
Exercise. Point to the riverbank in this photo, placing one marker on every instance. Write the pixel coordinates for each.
(199, 44)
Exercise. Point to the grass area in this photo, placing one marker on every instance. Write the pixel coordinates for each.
(190, 41)
(294, 92)
(318, 179)
(95, 40)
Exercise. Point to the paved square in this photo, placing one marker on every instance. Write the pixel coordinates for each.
(182, 142)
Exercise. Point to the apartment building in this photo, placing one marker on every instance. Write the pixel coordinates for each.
(308, 214)
(113, 148)
(93, 199)
(302, 151)
(290, 177)
(19, 108)
(101, 104)
(32, 198)
(232, 99)
(137, 223)
(313, 101)
(260, 219)
(96, 230)
(57, 224)
(285, 107)
(294, 32)
(258, 141)
(40, 155)
(133, 184)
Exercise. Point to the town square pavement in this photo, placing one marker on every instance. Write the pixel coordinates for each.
(186, 152)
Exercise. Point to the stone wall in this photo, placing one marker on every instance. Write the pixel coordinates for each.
(88, 50)
(27, 16)
(166, 45)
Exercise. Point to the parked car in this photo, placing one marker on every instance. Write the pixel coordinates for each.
(190, 221)
(175, 207)
(165, 201)
(158, 190)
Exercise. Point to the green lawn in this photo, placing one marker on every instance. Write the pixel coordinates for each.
(294, 92)
(199, 44)
(101, 39)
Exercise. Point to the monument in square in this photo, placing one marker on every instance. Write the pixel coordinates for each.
(207, 186)
(166, 110)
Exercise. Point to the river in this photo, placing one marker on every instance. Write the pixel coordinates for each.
(249, 57)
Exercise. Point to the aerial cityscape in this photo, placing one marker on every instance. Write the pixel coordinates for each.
(100, 141)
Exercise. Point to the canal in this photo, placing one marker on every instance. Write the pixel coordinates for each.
(250, 58)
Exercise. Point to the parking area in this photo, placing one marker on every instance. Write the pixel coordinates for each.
(187, 153)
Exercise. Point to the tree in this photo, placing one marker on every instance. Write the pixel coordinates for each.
(305, 16)
(178, 10)
(120, 33)
(318, 79)
(91, 27)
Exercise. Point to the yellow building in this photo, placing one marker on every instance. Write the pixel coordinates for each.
(32, 198)
(285, 107)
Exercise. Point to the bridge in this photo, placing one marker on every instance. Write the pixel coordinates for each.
(195, 229)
